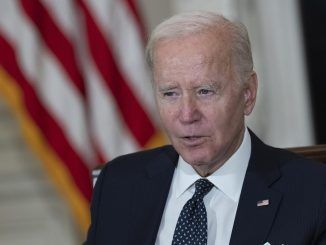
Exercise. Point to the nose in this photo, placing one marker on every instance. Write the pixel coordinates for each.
(189, 110)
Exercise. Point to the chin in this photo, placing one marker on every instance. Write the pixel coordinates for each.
(194, 157)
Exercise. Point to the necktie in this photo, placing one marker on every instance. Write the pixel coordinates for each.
(191, 228)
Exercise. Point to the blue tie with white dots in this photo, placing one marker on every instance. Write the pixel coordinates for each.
(191, 228)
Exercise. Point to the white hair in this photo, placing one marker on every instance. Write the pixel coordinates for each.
(188, 23)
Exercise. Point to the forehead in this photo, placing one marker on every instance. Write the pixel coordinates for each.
(204, 52)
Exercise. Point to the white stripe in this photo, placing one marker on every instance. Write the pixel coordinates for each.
(110, 133)
(108, 130)
(65, 103)
(55, 90)
(120, 29)
(14, 27)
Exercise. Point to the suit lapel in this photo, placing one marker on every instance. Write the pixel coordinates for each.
(253, 222)
(150, 197)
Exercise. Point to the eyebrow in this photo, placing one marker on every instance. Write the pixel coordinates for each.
(211, 85)
(166, 87)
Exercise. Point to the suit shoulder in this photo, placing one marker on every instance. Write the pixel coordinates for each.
(134, 162)
(299, 164)
(289, 162)
(142, 155)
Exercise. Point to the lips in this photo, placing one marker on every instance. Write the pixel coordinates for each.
(192, 141)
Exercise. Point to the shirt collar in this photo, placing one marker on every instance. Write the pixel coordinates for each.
(228, 178)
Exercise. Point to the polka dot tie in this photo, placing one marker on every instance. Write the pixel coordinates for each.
(191, 228)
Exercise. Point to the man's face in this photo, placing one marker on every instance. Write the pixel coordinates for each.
(200, 103)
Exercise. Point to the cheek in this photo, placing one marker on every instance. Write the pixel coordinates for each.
(166, 114)
(223, 116)
(214, 113)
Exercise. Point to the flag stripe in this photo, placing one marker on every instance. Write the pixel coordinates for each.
(65, 16)
(111, 146)
(108, 127)
(55, 40)
(55, 90)
(51, 130)
(121, 32)
(135, 13)
(135, 117)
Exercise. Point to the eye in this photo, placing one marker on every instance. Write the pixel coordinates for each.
(205, 91)
(169, 94)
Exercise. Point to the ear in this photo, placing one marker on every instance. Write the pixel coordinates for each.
(250, 92)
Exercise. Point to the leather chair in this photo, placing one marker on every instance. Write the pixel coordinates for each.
(315, 152)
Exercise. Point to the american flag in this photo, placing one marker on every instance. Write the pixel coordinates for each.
(74, 74)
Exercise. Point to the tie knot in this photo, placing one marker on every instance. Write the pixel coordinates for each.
(203, 186)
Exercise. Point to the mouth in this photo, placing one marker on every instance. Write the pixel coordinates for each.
(192, 141)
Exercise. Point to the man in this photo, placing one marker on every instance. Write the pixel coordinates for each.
(217, 183)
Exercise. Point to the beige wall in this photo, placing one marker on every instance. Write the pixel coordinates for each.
(154, 11)
(31, 211)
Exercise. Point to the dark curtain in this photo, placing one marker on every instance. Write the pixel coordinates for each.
(313, 13)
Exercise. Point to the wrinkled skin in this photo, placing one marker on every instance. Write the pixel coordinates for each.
(201, 102)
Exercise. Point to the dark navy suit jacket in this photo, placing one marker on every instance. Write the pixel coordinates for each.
(131, 192)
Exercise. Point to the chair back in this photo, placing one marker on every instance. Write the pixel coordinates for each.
(315, 152)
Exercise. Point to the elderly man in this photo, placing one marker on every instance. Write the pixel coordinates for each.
(217, 183)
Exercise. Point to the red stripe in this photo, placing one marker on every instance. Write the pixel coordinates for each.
(60, 46)
(99, 155)
(55, 40)
(131, 110)
(50, 129)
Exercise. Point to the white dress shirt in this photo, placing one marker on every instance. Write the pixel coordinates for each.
(221, 202)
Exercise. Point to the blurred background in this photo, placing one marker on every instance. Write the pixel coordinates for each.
(75, 92)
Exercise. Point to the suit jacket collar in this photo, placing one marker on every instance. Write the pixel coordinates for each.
(166, 161)
(252, 223)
